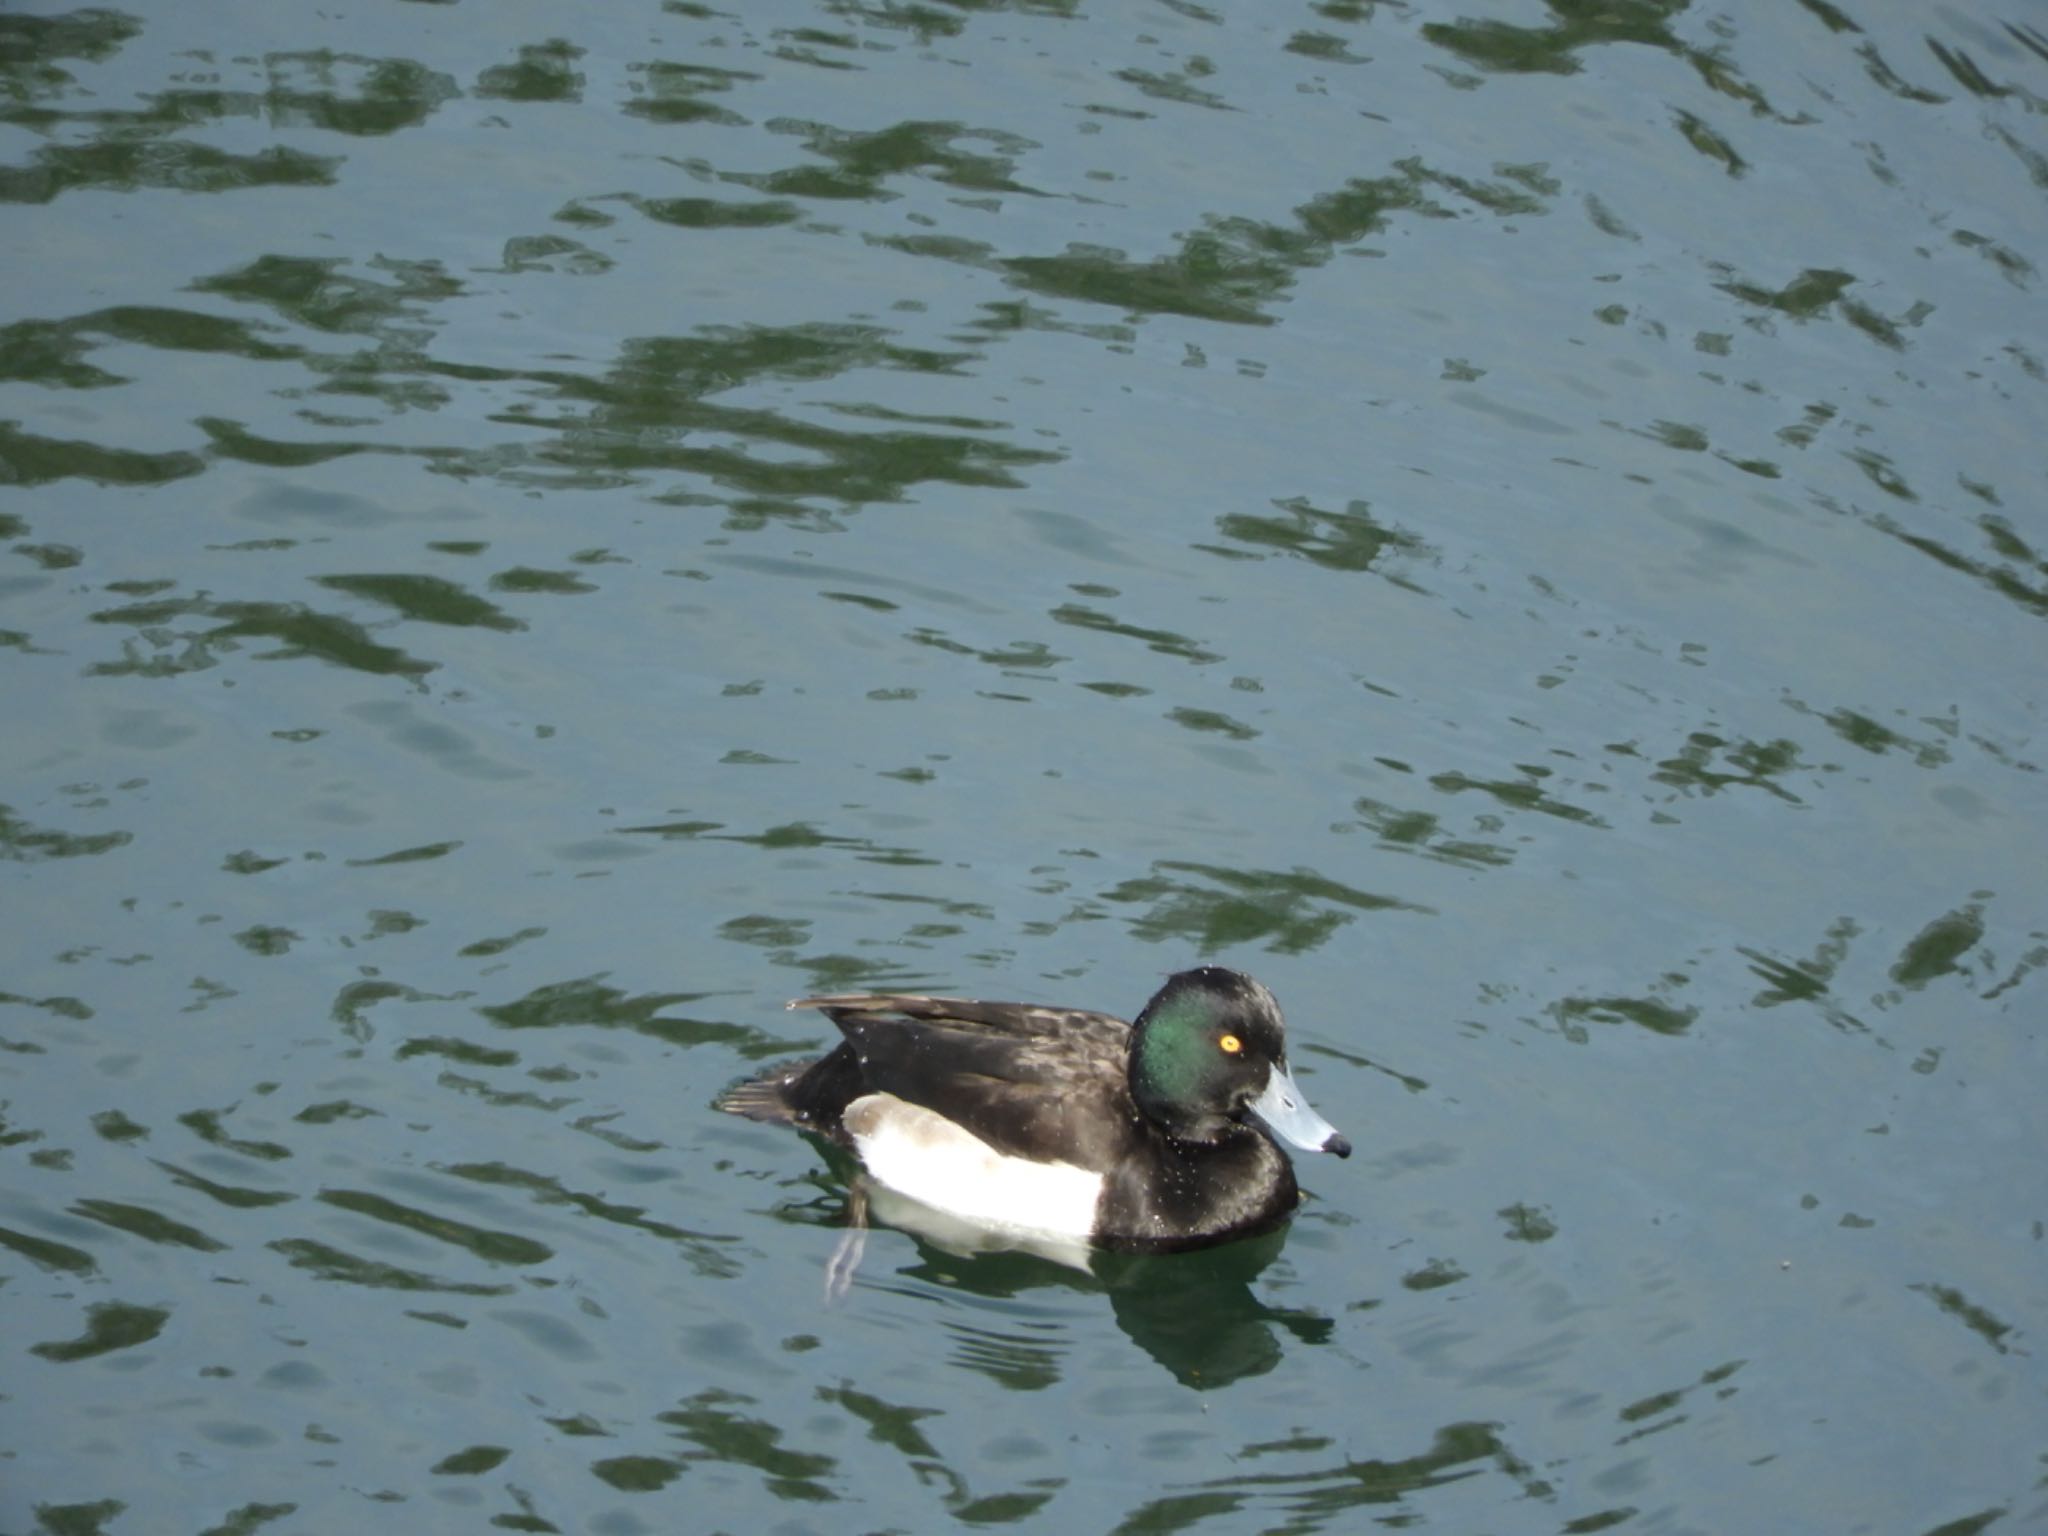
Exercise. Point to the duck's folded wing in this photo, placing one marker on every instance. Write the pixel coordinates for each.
(1040, 1083)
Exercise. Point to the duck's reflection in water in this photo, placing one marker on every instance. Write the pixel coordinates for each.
(1193, 1312)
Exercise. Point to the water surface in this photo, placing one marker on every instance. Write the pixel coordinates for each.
(533, 534)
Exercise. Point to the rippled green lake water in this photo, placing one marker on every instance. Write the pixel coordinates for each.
(530, 534)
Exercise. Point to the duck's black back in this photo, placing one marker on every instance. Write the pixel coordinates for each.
(1049, 1084)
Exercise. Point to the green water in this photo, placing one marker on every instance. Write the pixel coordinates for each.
(531, 534)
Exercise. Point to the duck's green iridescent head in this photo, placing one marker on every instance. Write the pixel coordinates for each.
(1211, 1048)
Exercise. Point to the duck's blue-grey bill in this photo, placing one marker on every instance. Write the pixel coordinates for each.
(1285, 1110)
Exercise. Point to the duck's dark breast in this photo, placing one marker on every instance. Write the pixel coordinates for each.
(1190, 1196)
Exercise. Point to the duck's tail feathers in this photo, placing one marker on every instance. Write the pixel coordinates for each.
(767, 1097)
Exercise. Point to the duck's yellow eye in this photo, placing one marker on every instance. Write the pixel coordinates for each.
(1230, 1045)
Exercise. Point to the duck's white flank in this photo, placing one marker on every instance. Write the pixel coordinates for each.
(920, 1153)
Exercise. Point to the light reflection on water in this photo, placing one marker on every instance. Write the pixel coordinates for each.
(530, 541)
